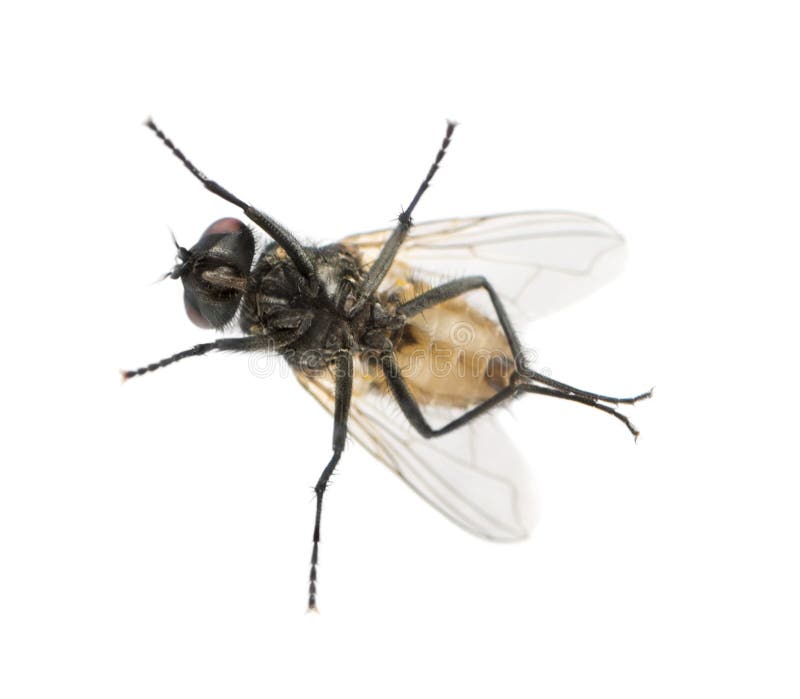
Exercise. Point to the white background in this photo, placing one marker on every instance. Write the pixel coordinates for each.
(154, 538)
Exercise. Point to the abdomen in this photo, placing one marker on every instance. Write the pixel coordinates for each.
(450, 355)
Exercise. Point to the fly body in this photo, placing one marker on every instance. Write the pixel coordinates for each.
(369, 321)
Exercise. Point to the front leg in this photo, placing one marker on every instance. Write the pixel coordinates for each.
(225, 344)
(344, 388)
(293, 247)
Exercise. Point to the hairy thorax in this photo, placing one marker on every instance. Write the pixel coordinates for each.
(309, 325)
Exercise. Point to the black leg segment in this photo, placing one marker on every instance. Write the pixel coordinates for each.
(228, 344)
(525, 380)
(278, 233)
(413, 412)
(387, 254)
(344, 389)
(450, 290)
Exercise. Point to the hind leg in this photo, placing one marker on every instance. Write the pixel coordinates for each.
(457, 287)
(524, 380)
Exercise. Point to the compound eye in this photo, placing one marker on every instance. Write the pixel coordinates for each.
(224, 226)
(226, 242)
(193, 312)
(215, 273)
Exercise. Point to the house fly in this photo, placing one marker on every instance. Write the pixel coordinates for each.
(368, 322)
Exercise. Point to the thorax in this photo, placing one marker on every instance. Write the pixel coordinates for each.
(310, 325)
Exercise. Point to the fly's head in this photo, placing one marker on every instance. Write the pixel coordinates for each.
(214, 272)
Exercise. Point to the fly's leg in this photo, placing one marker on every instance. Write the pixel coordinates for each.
(413, 412)
(457, 287)
(383, 262)
(526, 379)
(228, 344)
(450, 290)
(276, 231)
(344, 389)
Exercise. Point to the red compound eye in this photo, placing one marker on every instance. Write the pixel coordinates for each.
(227, 246)
(194, 314)
(224, 226)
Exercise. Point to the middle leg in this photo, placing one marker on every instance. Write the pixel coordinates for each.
(344, 389)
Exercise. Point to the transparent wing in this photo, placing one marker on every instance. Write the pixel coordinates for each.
(538, 261)
(474, 475)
